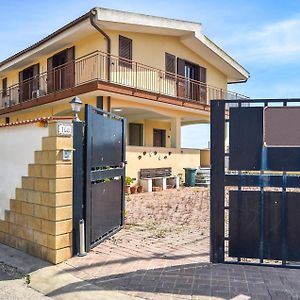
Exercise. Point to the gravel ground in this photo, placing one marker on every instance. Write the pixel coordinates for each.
(169, 211)
(13, 285)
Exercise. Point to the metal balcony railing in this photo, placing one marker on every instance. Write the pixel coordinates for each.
(99, 66)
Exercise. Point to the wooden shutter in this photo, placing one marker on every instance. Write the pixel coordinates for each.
(125, 51)
(202, 74)
(181, 81)
(50, 75)
(21, 86)
(35, 80)
(70, 69)
(4, 87)
(203, 88)
(170, 65)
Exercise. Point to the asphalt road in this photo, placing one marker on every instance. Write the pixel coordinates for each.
(14, 287)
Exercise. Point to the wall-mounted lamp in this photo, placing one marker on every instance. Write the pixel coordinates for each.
(76, 106)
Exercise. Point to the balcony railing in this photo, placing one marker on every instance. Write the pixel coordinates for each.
(99, 66)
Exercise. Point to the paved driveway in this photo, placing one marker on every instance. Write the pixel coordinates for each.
(163, 253)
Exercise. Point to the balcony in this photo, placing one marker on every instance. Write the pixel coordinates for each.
(101, 71)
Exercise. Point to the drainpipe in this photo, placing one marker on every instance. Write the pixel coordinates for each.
(93, 13)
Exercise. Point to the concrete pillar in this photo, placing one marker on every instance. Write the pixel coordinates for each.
(176, 132)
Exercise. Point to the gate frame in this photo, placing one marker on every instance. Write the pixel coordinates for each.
(81, 177)
(219, 180)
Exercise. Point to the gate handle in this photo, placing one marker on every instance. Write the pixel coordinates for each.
(123, 164)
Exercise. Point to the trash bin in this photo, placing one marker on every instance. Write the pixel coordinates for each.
(190, 176)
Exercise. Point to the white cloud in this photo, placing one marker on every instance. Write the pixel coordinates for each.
(277, 42)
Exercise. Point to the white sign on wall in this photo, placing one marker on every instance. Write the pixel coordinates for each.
(64, 129)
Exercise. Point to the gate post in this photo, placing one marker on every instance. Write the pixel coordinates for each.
(217, 138)
(77, 182)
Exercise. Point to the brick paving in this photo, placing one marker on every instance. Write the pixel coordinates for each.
(154, 257)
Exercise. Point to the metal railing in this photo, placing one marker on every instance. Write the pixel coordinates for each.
(100, 66)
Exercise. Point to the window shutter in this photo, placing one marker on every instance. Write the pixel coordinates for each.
(35, 81)
(70, 69)
(21, 92)
(50, 75)
(4, 87)
(181, 82)
(170, 65)
(202, 74)
(125, 51)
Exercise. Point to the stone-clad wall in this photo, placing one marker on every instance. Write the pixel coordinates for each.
(39, 220)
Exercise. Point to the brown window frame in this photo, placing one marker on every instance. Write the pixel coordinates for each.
(4, 87)
(163, 142)
(170, 69)
(125, 55)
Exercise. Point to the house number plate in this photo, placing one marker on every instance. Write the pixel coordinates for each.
(64, 129)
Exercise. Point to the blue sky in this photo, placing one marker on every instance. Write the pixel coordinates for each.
(264, 36)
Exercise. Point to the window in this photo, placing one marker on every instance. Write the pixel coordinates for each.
(135, 134)
(125, 51)
(159, 138)
(4, 87)
(170, 65)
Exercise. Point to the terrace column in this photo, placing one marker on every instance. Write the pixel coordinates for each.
(176, 132)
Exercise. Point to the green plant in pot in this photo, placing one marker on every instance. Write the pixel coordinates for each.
(128, 182)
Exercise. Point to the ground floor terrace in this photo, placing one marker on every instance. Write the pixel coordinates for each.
(153, 129)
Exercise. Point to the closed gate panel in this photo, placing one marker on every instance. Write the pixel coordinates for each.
(106, 208)
(293, 226)
(243, 224)
(107, 141)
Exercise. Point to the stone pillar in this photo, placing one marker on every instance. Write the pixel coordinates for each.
(176, 132)
(39, 220)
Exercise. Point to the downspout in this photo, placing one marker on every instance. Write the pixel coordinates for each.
(93, 13)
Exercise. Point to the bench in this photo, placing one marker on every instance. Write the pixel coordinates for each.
(158, 177)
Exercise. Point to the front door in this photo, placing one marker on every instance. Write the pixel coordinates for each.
(159, 138)
(135, 134)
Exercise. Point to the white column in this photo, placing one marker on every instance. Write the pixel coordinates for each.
(176, 132)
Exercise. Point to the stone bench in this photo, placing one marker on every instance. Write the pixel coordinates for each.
(159, 177)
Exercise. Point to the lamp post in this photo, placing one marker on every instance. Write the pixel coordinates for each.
(76, 106)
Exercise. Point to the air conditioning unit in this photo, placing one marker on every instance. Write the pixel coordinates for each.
(38, 93)
(9, 103)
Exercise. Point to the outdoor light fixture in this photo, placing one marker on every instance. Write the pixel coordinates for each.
(76, 106)
(117, 109)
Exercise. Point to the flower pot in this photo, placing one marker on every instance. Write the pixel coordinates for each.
(133, 189)
(140, 189)
(127, 189)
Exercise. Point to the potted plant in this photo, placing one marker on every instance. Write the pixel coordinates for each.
(128, 182)
(140, 189)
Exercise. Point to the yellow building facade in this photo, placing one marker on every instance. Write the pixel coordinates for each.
(160, 74)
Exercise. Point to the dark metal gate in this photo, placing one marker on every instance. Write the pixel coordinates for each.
(103, 175)
(255, 196)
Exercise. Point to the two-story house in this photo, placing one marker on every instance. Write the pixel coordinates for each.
(159, 73)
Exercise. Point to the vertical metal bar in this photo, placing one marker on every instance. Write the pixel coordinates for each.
(283, 215)
(262, 202)
(77, 182)
(124, 171)
(87, 169)
(239, 187)
(217, 181)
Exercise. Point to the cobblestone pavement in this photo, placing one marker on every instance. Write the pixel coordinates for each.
(157, 257)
